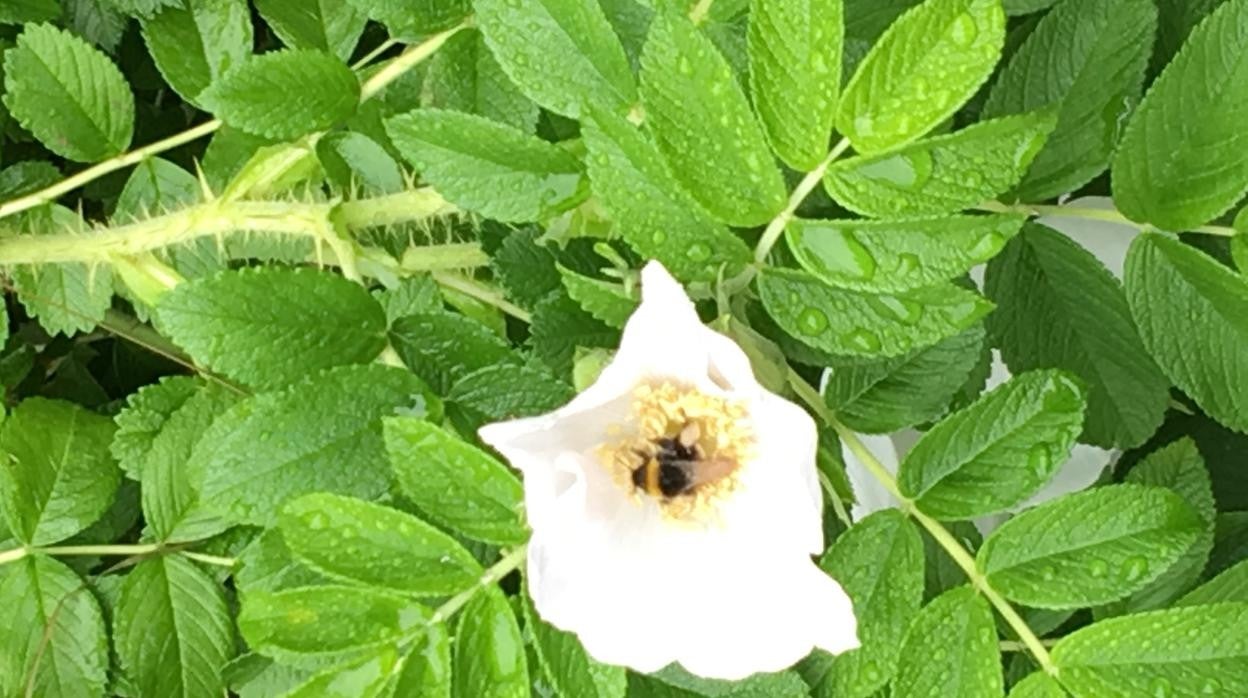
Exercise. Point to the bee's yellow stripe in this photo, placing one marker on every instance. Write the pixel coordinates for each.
(652, 477)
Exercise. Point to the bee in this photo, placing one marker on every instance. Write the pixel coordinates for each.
(677, 466)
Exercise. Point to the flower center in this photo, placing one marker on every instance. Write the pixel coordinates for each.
(681, 447)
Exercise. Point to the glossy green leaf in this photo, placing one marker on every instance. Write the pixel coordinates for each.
(327, 620)
(898, 255)
(564, 662)
(487, 167)
(1177, 172)
(454, 483)
(880, 397)
(195, 43)
(563, 54)
(145, 413)
(284, 94)
(374, 545)
(604, 300)
(58, 476)
(54, 643)
(702, 123)
(1195, 651)
(268, 565)
(172, 630)
(441, 347)
(655, 215)
(427, 667)
(795, 74)
(361, 678)
(328, 25)
(415, 294)
(847, 322)
(1058, 307)
(403, 17)
(1087, 60)
(1230, 585)
(998, 451)
(1178, 466)
(951, 650)
(560, 326)
(53, 72)
(508, 391)
(1192, 313)
(942, 174)
(463, 75)
(879, 564)
(22, 11)
(489, 650)
(1103, 544)
(300, 320)
(169, 494)
(355, 162)
(925, 66)
(1037, 685)
(319, 435)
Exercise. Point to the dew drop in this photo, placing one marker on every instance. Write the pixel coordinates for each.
(1048, 574)
(698, 252)
(864, 125)
(905, 311)
(1098, 569)
(839, 252)
(963, 30)
(987, 246)
(905, 170)
(863, 339)
(1161, 688)
(1038, 460)
(1133, 568)
(812, 321)
(684, 66)
(1210, 687)
(907, 264)
(659, 237)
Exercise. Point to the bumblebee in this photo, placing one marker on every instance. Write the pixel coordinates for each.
(677, 466)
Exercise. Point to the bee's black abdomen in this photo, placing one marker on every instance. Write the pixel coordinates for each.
(673, 480)
(639, 476)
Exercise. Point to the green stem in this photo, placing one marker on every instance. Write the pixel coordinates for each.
(698, 14)
(483, 293)
(392, 209)
(455, 255)
(211, 559)
(7, 556)
(1095, 214)
(776, 227)
(408, 60)
(505, 565)
(139, 549)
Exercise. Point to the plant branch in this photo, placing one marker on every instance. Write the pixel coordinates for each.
(210, 559)
(776, 227)
(1096, 214)
(408, 60)
(483, 293)
(505, 565)
(66, 550)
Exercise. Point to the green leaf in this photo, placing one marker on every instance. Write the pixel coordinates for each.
(96, 22)
(942, 174)
(172, 629)
(1022, 7)
(998, 451)
(155, 186)
(1201, 650)
(427, 668)
(23, 11)
(489, 650)
(1037, 685)
(1177, 172)
(355, 162)
(362, 678)
(403, 17)
(268, 565)
(414, 294)
(654, 214)
(356, 541)
(454, 483)
(525, 268)
(880, 397)
(674, 682)
(1179, 467)
(169, 493)
(442, 347)
(53, 630)
(702, 123)
(606, 301)
(1058, 307)
(508, 391)
(139, 8)
(1230, 585)
(196, 43)
(564, 663)
(566, 55)
(144, 416)
(487, 167)
(1192, 313)
(284, 94)
(299, 320)
(327, 620)
(879, 563)
(320, 435)
(795, 74)
(896, 255)
(1087, 60)
(69, 297)
(327, 25)
(464, 76)
(58, 476)
(951, 650)
(847, 322)
(925, 66)
(560, 326)
(68, 94)
(1104, 544)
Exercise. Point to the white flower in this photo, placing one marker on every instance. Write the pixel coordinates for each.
(718, 578)
(1108, 242)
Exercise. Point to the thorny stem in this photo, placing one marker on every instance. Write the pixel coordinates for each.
(1097, 214)
(406, 61)
(505, 565)
(939, 533)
